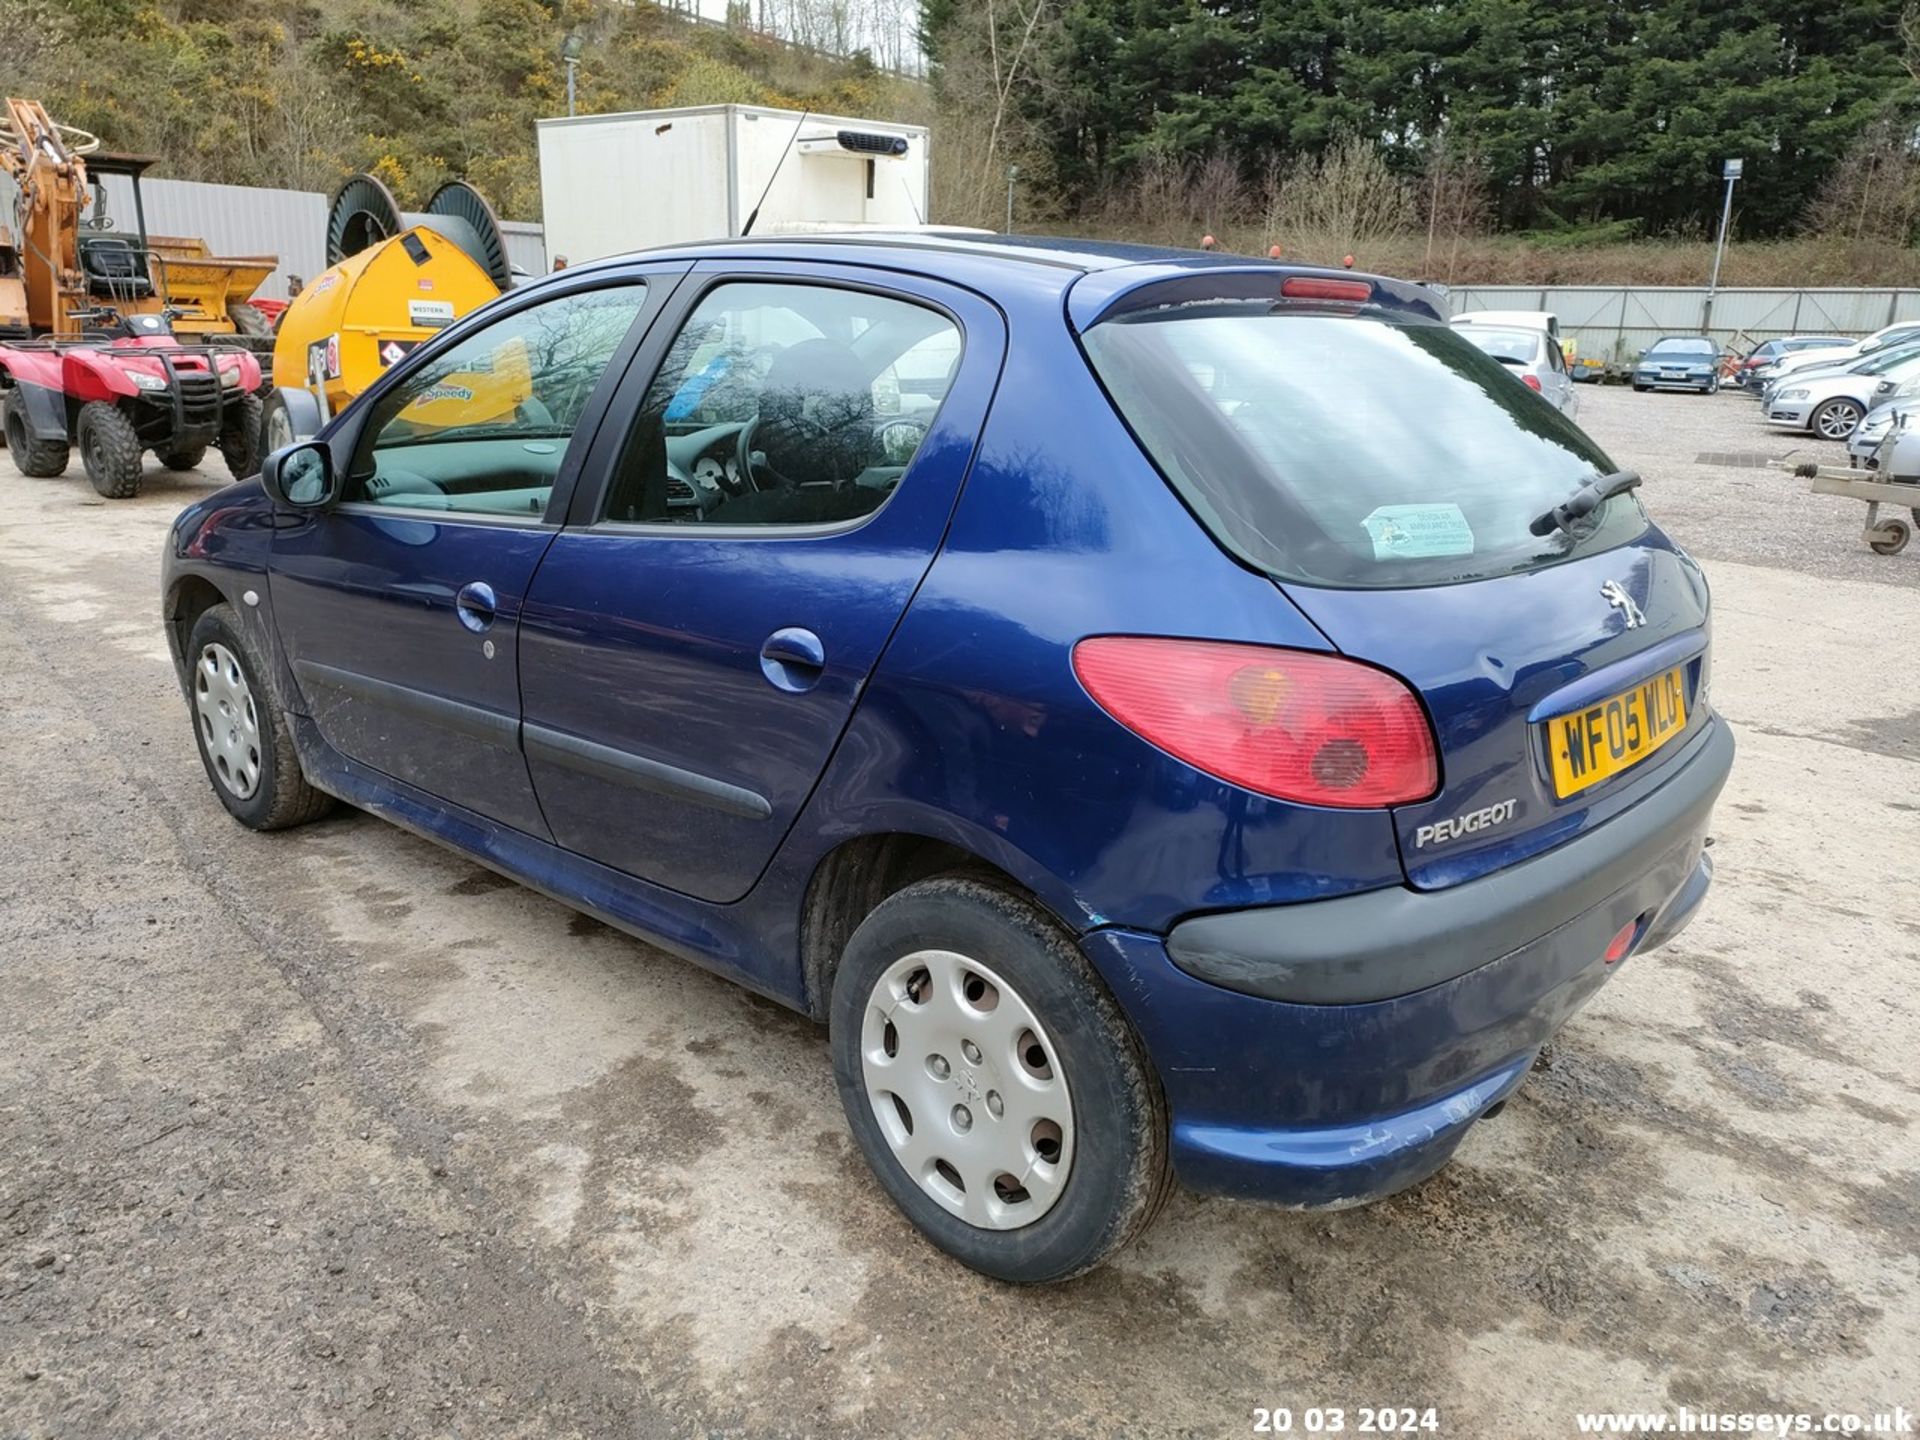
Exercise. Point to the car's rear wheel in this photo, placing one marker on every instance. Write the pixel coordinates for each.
(110, 450)
(37, 459)
(993, 1085)
(1837, 419)
(242, 732)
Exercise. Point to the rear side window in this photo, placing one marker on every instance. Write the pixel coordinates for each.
(1353, 450)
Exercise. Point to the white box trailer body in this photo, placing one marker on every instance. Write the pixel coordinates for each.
(614, 183)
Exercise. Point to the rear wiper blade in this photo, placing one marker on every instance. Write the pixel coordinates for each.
(1584, 501)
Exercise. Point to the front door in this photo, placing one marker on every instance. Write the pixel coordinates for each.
(399, 609)
(696, 639)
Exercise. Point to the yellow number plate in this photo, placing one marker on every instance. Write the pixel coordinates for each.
(1589, 745)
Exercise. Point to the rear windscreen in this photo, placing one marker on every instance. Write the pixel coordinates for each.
(1352, 449)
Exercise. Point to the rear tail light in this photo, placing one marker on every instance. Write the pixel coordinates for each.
(1320, 287)
(1532, 382)
(1295, 725)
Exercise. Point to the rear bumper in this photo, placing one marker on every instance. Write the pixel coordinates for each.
(1333, 1104)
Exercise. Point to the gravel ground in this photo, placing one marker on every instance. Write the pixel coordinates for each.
(1749, 512)
(332, 1133)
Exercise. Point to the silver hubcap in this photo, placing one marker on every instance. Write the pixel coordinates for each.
(229, 723)
(279, 429)
(1837, 423)
(968, 1089)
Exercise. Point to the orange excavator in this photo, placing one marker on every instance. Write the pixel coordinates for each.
(120, 342)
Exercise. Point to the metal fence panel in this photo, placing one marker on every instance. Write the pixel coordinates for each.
(1617, 322)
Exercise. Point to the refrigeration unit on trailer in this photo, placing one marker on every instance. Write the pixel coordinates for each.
(613, 183)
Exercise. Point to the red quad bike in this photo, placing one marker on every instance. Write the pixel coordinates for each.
(121, 391)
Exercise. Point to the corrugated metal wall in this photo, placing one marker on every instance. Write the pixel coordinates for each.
(526, 245)
(245, 220)
(1618, 322)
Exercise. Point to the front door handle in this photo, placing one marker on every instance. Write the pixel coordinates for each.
(793, 659)
(475, 605)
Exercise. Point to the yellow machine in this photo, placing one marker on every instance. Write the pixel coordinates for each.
(395, 280)
(68, 270)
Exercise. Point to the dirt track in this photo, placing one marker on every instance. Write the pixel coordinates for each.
(333, 1133)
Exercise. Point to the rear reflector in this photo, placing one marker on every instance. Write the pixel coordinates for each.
(1317, 287)
(1292, 724)
(1532, 382)
(1617, 947)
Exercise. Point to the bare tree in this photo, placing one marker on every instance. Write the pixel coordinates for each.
(991, 55)
(1343, 203)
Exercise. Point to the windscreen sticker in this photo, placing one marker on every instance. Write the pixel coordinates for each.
(1413, 532)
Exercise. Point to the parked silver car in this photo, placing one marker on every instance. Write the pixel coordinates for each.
(1533, 356)
(1832, 404)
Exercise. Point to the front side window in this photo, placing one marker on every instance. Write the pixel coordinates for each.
(484, 427)
(784, 404)
(1352, 450)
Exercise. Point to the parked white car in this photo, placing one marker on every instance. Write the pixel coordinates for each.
(1533, 356)
(1904, 333)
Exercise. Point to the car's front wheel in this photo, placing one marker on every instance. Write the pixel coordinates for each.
(242, 732)
(1836, 419)
(991, 1081)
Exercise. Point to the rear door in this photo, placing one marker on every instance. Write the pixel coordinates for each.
(780, 476)
(1388, 475)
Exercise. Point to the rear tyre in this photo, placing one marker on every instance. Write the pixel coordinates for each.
(38, 459)
(247, 320)
(187, 459)
(241, 731)
(240, 439)
(1002, 1099)
(110, 450)
(1836, 419)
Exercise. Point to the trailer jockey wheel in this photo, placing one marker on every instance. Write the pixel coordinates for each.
(110, 450)
(1891, 537)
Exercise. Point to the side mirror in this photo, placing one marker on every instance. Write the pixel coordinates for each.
(301, 477)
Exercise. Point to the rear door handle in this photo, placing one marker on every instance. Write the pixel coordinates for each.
(793, 659)
(475, 605)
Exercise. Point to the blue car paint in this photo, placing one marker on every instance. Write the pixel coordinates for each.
(970, 728)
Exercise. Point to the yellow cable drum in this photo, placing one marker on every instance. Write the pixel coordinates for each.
(395, 279)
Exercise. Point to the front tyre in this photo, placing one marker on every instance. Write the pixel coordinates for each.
(993, 1085)
(110, 450)
(240, 437)
(1836, 419)
(242, 732)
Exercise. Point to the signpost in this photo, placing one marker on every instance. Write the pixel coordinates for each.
(1730, 172)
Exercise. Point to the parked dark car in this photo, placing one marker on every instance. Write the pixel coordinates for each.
(1168, 715)
(1679, 362)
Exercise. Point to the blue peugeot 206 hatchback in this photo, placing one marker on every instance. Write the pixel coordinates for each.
(1168, 715)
